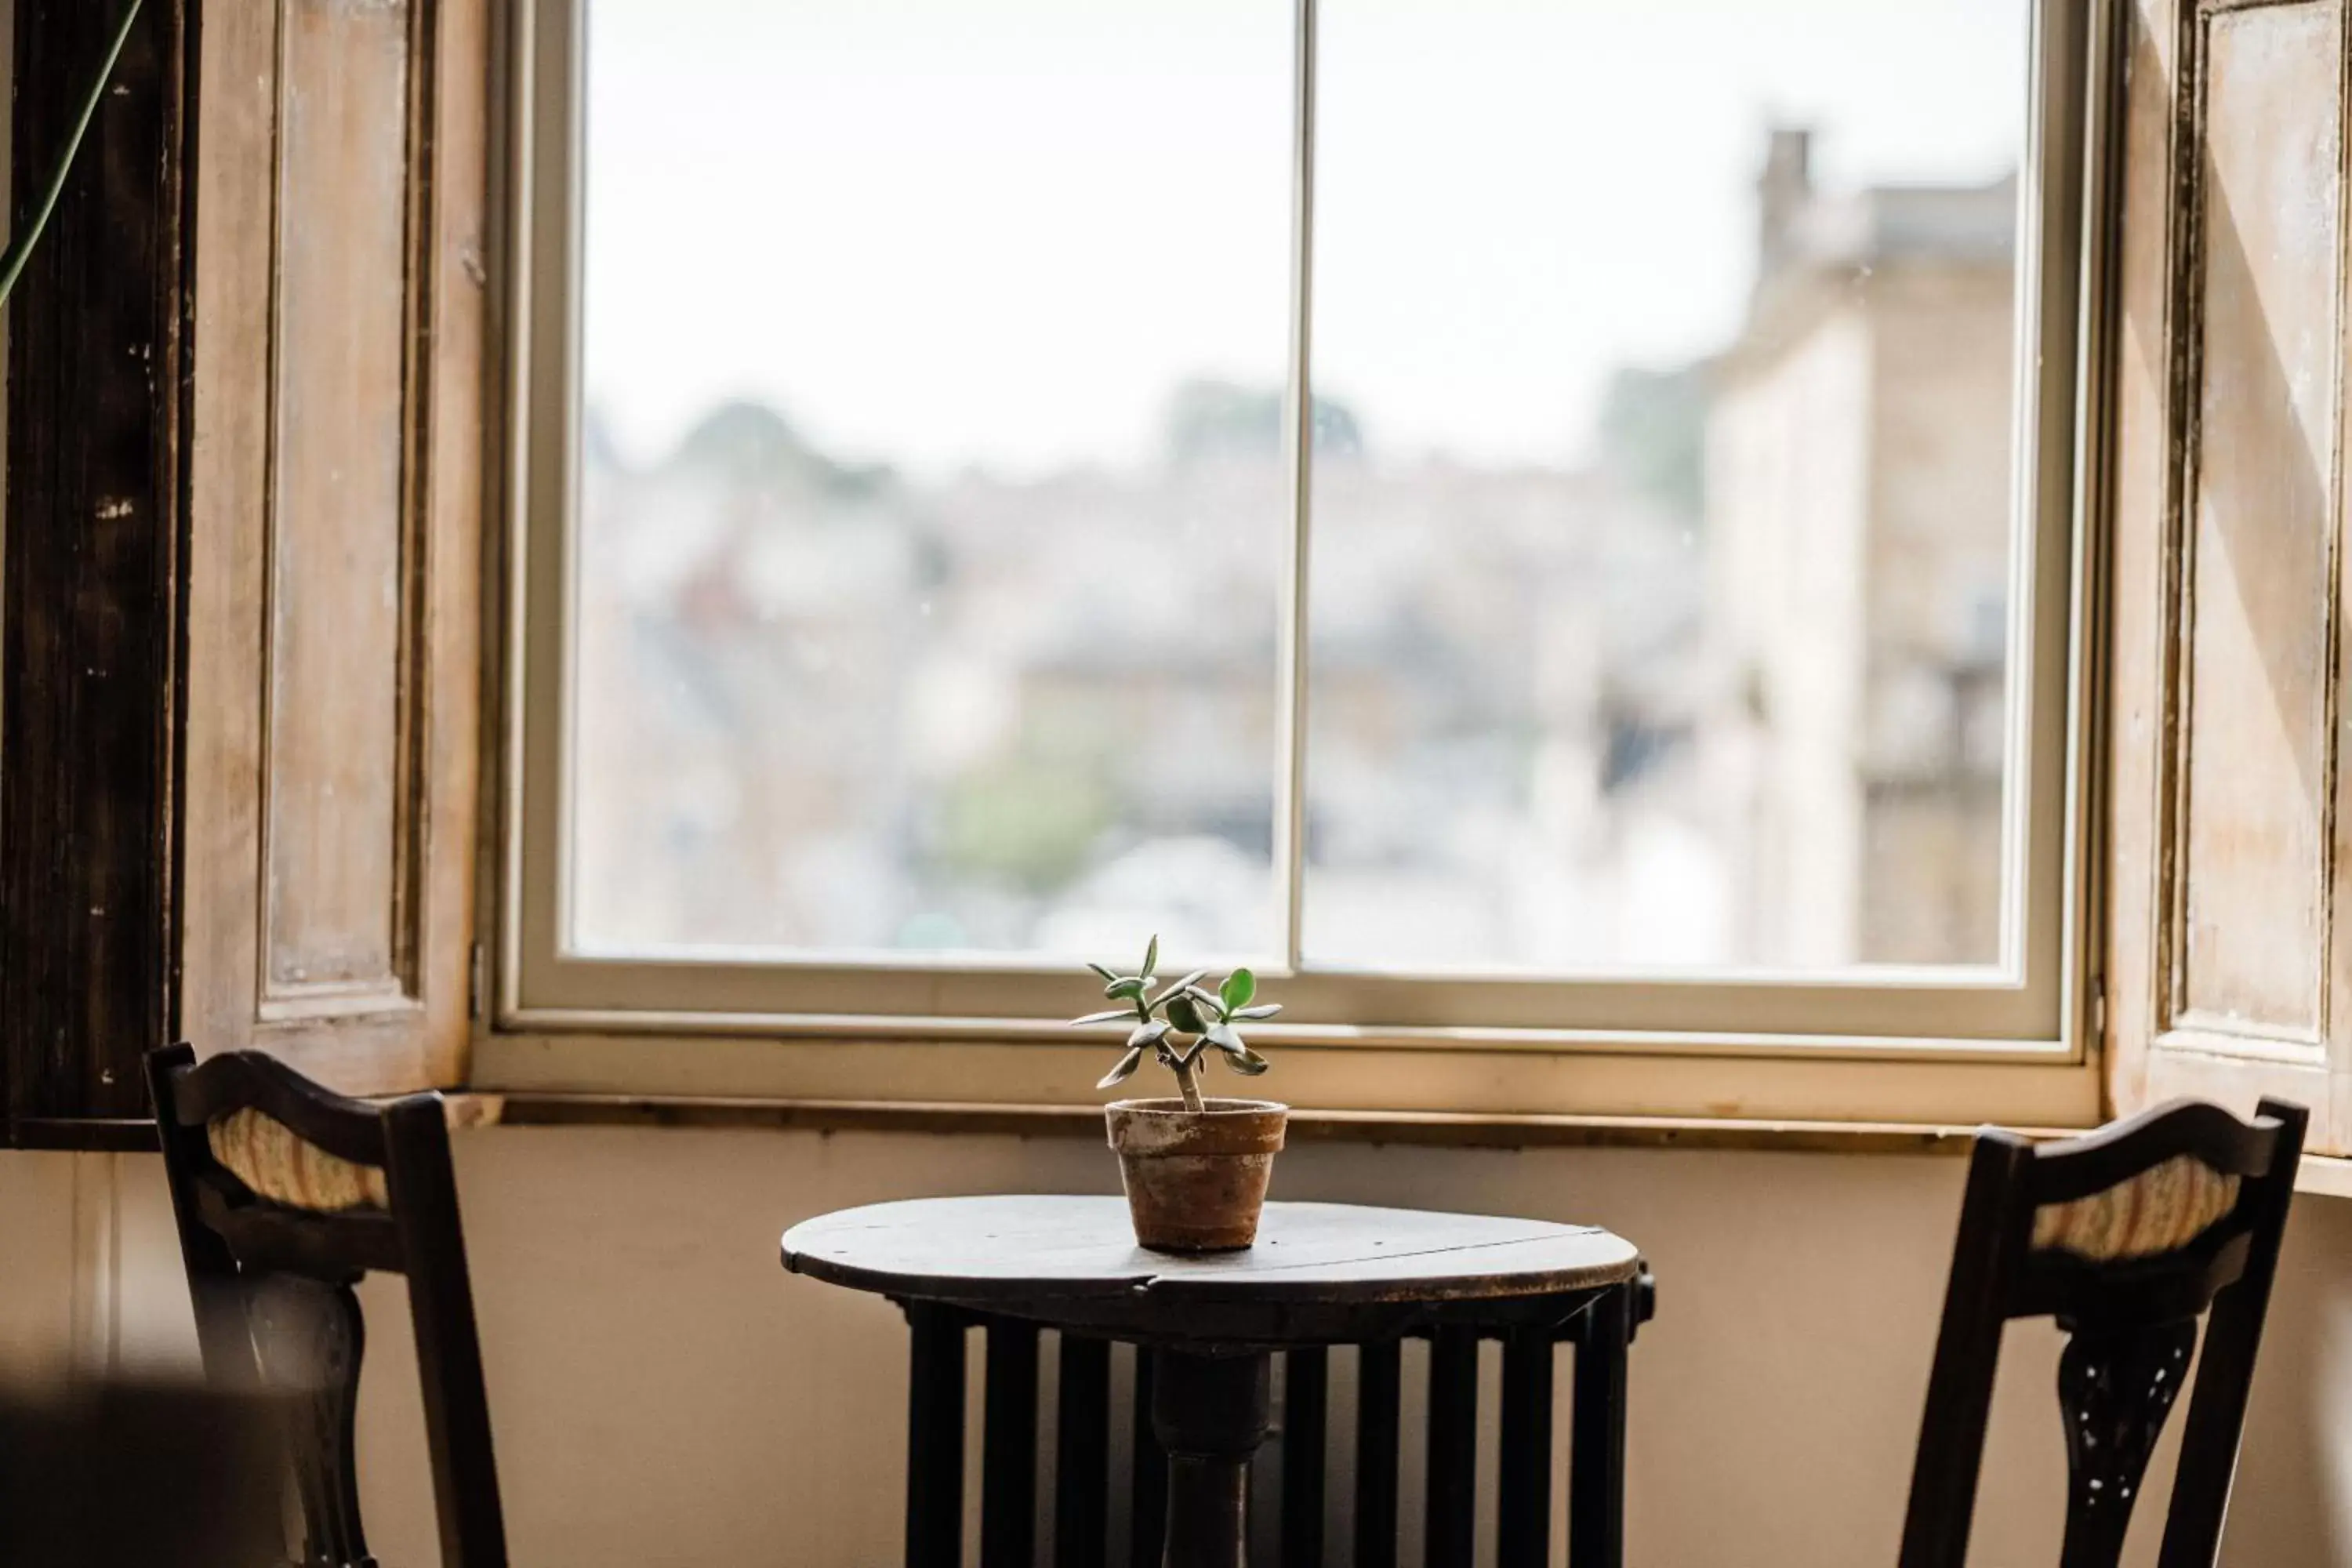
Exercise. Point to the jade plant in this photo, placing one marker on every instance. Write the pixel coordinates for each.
(1180, 1022)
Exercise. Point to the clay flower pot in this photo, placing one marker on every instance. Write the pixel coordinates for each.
(1196, 1179)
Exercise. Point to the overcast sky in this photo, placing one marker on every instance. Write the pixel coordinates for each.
(940, 232)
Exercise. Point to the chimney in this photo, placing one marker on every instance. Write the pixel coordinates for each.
(1782, 191)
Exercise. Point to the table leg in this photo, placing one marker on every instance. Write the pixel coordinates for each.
(1596, 1483)
(935, 1438)
(1211, 1412)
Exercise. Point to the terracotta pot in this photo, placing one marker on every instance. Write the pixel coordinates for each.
(1196, 1179)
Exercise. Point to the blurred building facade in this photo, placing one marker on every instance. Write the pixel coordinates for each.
(1858, 513)
(1727, 689)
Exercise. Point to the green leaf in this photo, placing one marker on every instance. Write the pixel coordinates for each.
(1237, 990)
(1208, 1000)
(1103, 970)
(1238, 1055)
(1151, 955)
(1125, 1070)
(1130, 988)
(1185, 1015)
(1263, 1010)
(1150, 1034)
(1101, 1017)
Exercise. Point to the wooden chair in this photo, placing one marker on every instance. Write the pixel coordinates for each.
(2125, 1237)
(286, 1193)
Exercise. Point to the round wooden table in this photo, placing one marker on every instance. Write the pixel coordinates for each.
(1321, 1274)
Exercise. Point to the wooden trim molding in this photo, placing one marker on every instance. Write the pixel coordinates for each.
(1419, 1128)
(2320, 1176)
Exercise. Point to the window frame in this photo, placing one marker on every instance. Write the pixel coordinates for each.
(1963, 1038)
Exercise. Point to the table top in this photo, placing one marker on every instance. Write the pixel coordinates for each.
(1319, 1270)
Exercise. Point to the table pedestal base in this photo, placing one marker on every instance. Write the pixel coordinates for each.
(1211, 1414)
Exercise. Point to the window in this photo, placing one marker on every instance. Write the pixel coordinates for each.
(1544, 525)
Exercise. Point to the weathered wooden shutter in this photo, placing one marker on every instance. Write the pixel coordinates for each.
(335, 553)
(2230, 952)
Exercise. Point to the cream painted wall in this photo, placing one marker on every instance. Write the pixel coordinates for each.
(665, 1394)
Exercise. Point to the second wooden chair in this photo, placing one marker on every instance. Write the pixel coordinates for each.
(2125, 1237)
(285, 1194)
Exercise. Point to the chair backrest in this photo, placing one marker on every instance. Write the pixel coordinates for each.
(284, 1194)
(2125, 1237)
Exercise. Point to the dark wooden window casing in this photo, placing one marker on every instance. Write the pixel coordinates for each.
(90, 590)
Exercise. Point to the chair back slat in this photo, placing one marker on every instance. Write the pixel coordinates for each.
(238, 1081)
(2126, 1237)
(2121, 1150)
(267, 1240)
(284, 1194)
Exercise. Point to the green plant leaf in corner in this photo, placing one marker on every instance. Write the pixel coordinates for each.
(1263, 1010)
(1124, 1071)
(1237, 990)
(1152, 956)
(1238, 1055)
(1102, 1018)
(20, 250)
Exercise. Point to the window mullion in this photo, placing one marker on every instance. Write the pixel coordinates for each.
(1290, 824)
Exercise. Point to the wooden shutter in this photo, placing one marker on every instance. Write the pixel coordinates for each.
(2229, 957)
(335, 559)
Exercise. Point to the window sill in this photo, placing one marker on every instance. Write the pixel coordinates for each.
(2324, 1176)
(1639, 1082)
(1424, 1128)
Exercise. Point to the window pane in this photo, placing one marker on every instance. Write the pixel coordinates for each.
(933, 507)
(1663, 528)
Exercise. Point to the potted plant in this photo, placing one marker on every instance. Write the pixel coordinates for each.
(1195, 1169)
